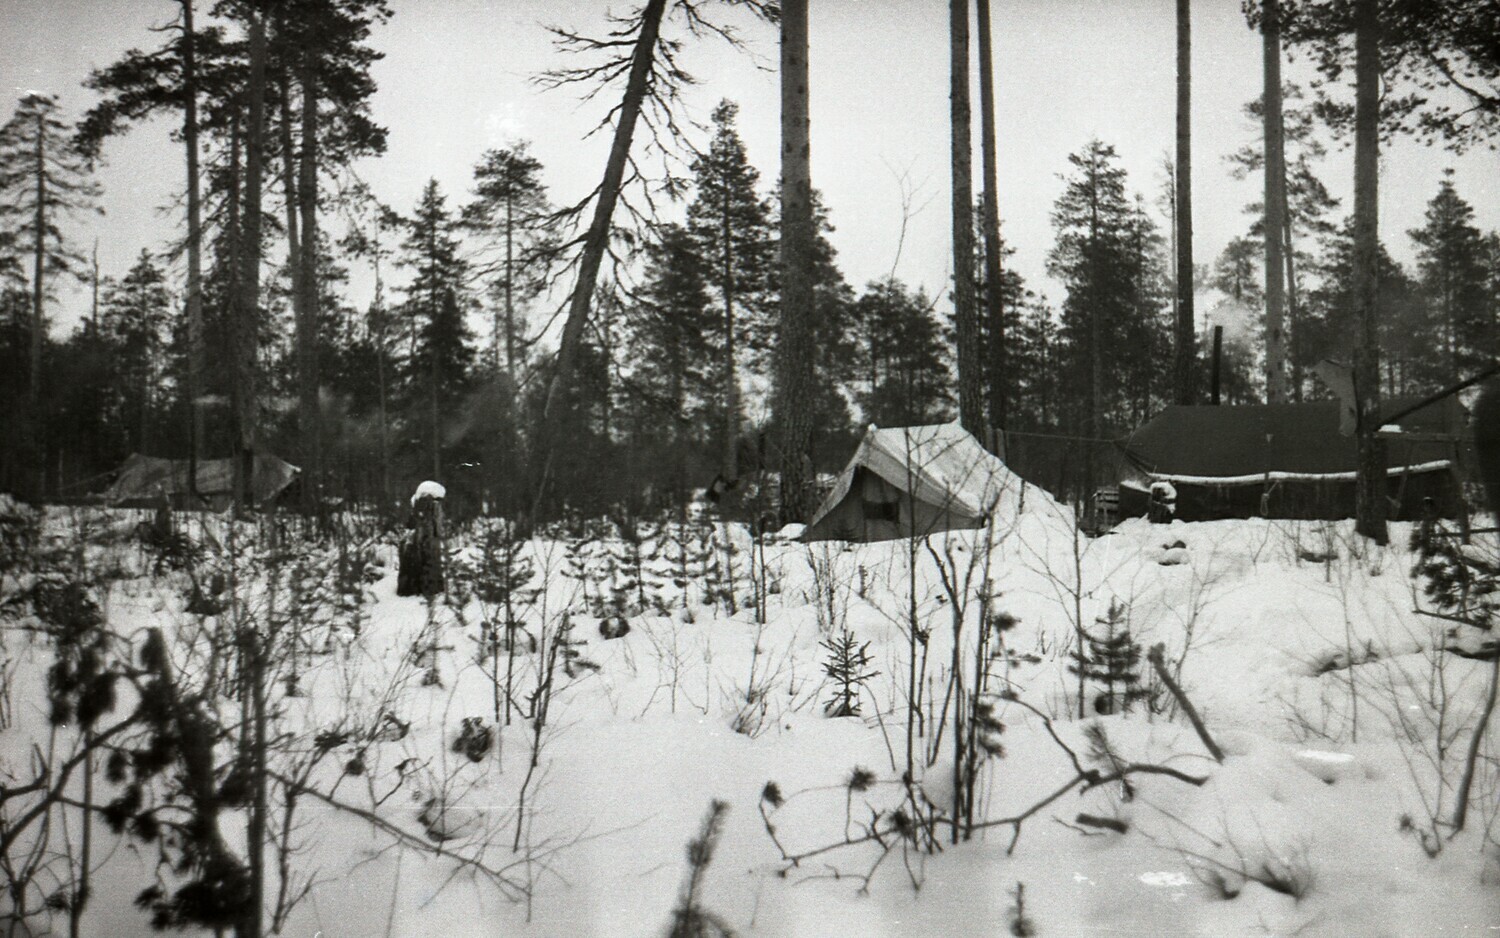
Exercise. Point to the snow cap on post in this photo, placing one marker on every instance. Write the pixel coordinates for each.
(428, 489)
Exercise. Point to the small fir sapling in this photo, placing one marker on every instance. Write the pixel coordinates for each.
(1459, 580)
(1111, 658)
(1021, 925)
(847, 666)
(633, 550)
(690, 919)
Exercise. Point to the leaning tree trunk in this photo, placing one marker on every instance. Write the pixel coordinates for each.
(993, 293)
(1275, 207)
(1185, 352)
(1370, 488)
(966, 320)
(792, 411)
(597, 238)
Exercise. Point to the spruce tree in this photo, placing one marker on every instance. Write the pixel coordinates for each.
(1450, 264)
(670, 392)
(1110, 657)
(731, 224)
(438, 337)
(134, 318)
(902, 354)
(848, 667)
(1114, 329)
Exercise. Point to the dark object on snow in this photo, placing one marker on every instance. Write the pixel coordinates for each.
(1107, 823)
(421, 554)
(1163, 507)
(474, 739)
(1289, 461)
(614, 627)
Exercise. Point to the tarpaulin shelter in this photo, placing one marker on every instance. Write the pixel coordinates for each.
(908, 481)
(144, 480)
(1291, 461)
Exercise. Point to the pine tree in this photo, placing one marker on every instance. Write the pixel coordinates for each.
(1305, 222)
(671, 381)
(730, 223)
(511, 213)
(1236, 271)
(42, 181)
(1107, 255)
(134, 318)
(793, 415)
(1450, 263)
(439, 350)
(1112, 658)
(902, 353)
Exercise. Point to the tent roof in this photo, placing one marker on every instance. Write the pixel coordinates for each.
(1217, 442)
(152, 477)
(939, 464)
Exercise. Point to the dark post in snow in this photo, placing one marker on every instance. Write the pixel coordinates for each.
(421, 555)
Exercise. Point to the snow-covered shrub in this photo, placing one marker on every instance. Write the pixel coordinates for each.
(474, 739)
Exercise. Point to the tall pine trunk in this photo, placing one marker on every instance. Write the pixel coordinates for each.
(792, 414)
(966, 320)
(1185, 352)
(39, 268)
(1292, 331)
(38, 314)
(196, 341)
(1370, 487)
(1275, 222)
(729, 463)
(307, 267)
(248, 247)
(993, 294)
(596, 240)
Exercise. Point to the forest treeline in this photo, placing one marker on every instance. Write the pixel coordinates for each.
(445, 372)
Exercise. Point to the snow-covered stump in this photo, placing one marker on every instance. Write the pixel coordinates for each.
(421, 555)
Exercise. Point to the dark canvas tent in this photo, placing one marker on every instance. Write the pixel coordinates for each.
(1289, 461)
(909, 481)
(143, 480)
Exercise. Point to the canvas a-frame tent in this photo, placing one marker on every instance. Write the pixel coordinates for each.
(1292, 461)
(144, 480)
(913, 481)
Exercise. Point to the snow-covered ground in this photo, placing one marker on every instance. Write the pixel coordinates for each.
(1344, 731)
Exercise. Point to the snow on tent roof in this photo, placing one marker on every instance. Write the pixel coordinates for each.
(941, 466)
(150, 477)
(1218, 442)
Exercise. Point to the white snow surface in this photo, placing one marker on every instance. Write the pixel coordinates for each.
(428, 489)
(1320, 768)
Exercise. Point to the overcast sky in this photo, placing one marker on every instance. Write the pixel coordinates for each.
(455, 81)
